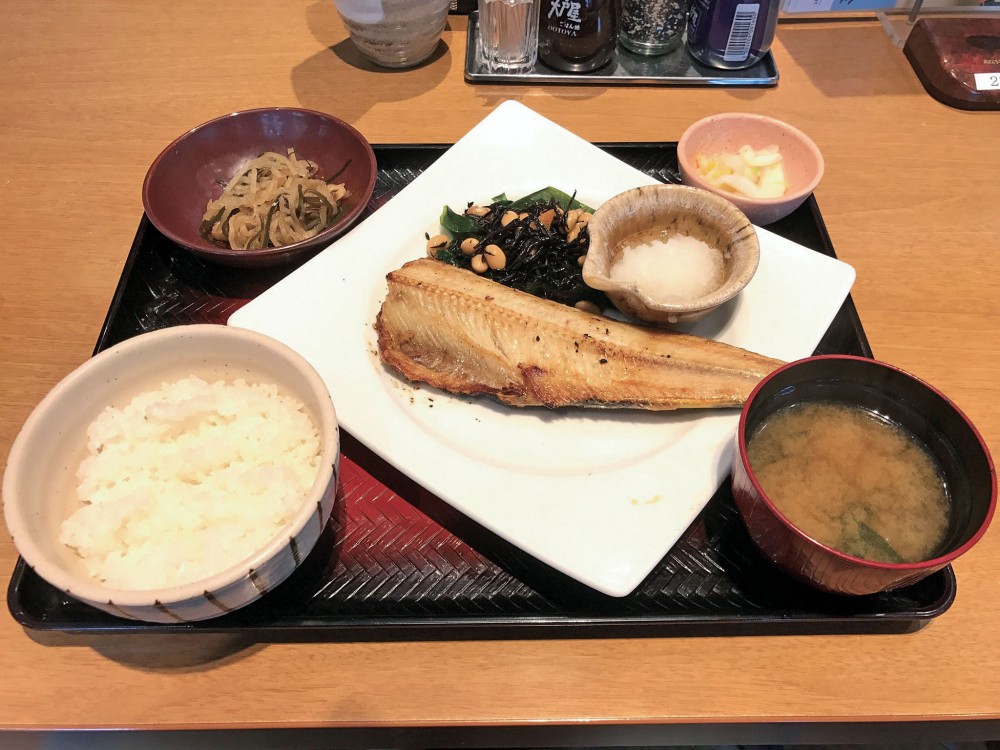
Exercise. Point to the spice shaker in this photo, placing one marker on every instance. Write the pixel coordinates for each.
(653, 27)
(731, 34)
(578, 35)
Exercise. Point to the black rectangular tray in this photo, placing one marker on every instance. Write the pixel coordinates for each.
(397, 563)
(675, 68)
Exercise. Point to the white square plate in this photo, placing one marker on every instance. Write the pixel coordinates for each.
(598, 495)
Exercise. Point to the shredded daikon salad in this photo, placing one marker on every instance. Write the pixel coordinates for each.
(272, 201)
(754, 173)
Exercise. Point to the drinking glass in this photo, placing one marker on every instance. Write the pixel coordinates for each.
(508, 34)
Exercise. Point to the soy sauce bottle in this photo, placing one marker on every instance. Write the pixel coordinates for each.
(578, 35)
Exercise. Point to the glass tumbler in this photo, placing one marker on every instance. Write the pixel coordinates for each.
(653, 27)
(508, 35)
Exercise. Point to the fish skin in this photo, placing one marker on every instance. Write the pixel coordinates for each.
(462, 333)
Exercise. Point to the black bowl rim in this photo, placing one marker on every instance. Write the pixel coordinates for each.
(209, 249)
(931, 564)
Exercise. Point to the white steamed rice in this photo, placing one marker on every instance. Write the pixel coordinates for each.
(188, 480)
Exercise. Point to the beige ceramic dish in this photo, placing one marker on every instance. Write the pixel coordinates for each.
(40, 480)
(726, 133)
(673, 209)
(395, 33)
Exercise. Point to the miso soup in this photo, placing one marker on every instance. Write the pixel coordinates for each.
(852, 481)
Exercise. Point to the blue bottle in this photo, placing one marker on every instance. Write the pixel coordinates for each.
(731, 34)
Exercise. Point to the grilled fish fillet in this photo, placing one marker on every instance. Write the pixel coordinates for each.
(463, 333)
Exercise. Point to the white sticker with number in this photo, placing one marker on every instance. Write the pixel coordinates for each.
(988, 81)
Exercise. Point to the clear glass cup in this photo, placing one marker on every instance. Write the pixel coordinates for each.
(653, 27)
(394, 33)
(508, 35)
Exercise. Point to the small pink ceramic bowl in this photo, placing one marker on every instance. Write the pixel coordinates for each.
(892, 394)
(727, 133)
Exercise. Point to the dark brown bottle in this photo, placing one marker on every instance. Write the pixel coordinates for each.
(578, 35)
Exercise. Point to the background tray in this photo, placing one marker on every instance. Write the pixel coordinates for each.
(397, 563)
(676, 68)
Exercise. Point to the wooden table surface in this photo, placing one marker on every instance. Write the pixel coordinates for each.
(91, 92)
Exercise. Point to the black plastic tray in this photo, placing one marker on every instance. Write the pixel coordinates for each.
(675, 68)
(397, 563)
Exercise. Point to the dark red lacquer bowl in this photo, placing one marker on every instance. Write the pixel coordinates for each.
(188, 172)
(964, 459)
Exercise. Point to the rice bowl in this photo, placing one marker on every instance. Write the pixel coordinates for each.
(40, 483)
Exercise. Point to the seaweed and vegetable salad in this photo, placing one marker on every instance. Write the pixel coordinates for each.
(536, 244)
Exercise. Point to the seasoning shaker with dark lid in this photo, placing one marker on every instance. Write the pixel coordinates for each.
(578, 35)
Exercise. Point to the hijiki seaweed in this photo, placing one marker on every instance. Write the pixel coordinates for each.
(535, 244)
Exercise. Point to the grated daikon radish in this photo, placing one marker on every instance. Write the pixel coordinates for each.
(677, 269)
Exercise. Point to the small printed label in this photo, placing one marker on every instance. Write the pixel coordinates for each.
(741, 34)
(988, 81)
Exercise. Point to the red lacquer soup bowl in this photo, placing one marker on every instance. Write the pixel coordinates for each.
(963, 458)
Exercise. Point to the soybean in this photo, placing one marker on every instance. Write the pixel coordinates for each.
(495, 257)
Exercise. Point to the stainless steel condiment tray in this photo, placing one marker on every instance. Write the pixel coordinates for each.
(675, 68)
